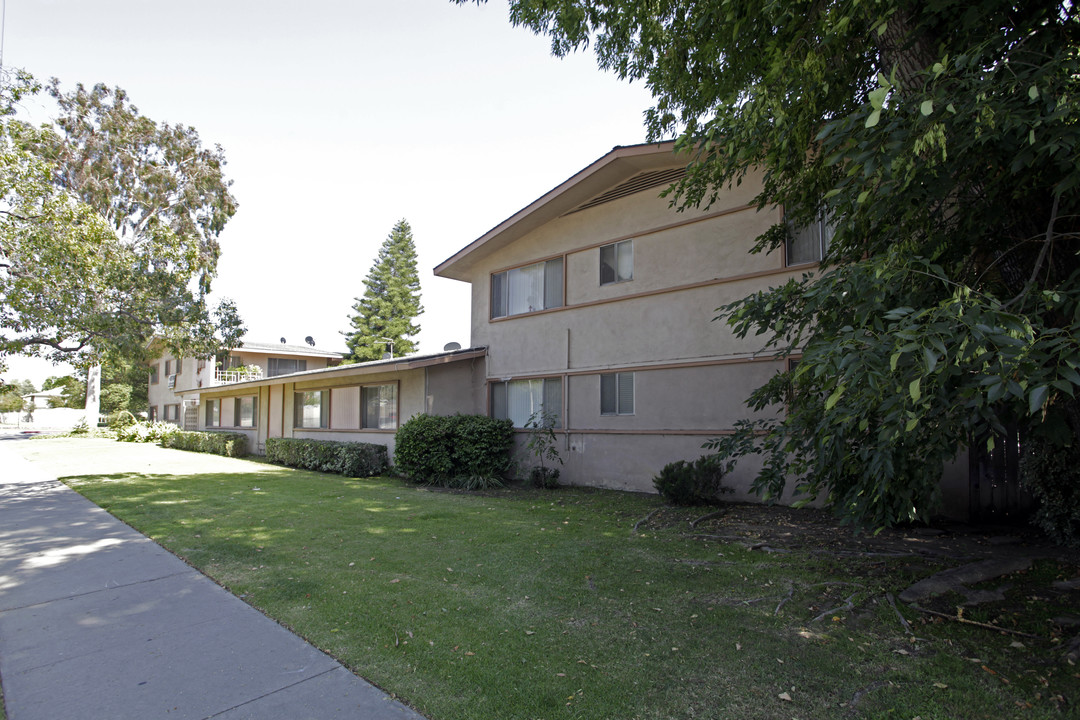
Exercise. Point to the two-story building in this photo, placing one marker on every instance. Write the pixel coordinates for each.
(176, 384)
(595, 303)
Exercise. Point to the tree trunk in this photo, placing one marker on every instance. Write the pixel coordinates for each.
(93, 396)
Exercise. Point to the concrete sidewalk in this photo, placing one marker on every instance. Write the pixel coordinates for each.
(97, 621)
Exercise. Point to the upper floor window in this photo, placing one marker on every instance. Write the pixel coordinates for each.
(617, 393)
(523, 400)
(527, 289)
(168, 368)
(179, 365)
(154, 374)
(617, 262)
(808, 243)
(285, 366)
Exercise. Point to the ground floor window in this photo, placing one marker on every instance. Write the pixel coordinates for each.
(172, 413)
(522, 400)
(213, 413)
(617, 393)
(311, 409)
(151, 414)
(353, 407)
(380, 406)
(245, 411)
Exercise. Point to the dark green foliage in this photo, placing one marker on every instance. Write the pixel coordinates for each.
(218, 443)
(1053, 476)
(391, 301)
(120, 419)
(940, 140)
(544, 477)
(544, 446)
(352, 459)
(692, 483)
(466, 451)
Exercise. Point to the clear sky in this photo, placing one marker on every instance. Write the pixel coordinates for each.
(338, 118)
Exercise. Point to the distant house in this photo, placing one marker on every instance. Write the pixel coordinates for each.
(41, 398)
(594, 303)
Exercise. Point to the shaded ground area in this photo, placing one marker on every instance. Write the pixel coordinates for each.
(776, 529)
(1006, 579)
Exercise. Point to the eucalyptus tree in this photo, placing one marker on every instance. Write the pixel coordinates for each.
(108, 231)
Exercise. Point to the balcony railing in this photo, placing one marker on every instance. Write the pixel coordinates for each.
(225, 377)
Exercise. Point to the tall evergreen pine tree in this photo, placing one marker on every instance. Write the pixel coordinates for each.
(391, 301)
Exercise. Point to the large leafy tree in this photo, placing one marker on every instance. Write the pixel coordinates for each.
(940, 138)
(108, 234)
(391, 301)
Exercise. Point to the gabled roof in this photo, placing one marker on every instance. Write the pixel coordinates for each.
(624, 170)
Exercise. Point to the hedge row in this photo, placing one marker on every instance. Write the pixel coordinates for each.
(219, 443)
(467, 451)
(352, 459)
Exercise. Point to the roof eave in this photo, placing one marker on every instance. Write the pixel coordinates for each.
(584, 185)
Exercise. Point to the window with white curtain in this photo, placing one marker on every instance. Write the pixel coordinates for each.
(617, 393)
(311, 409)
(244, 411)
(617, 262)
(380, 407)
(213, 413)
(520, 400)
(527, 289)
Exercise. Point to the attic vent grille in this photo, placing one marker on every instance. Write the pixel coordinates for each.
(641, 181)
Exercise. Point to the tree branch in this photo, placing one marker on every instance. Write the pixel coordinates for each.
(1048, 240)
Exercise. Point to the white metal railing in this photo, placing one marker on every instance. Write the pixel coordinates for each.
(225, 377)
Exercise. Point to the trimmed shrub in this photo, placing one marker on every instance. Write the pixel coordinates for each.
(462, 451)
(154, 432)
(692, 483)
(229, 444)
(120, 418)
(1053, 476)
(353, 459)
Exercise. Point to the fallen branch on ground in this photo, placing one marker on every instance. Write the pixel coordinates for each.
(703, 518)
(903, 620)
(848, 606)
(965, 621)
(643, 520)
(784, 599)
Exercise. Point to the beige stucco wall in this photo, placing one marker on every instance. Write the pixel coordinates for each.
(458, 387)
(704, 398)
(686, 265)
(630, 462)
(441, 389)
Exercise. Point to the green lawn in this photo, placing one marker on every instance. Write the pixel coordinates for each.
(548, 604)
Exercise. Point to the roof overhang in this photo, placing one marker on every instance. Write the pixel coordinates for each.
(596, 179)
(375, 367)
